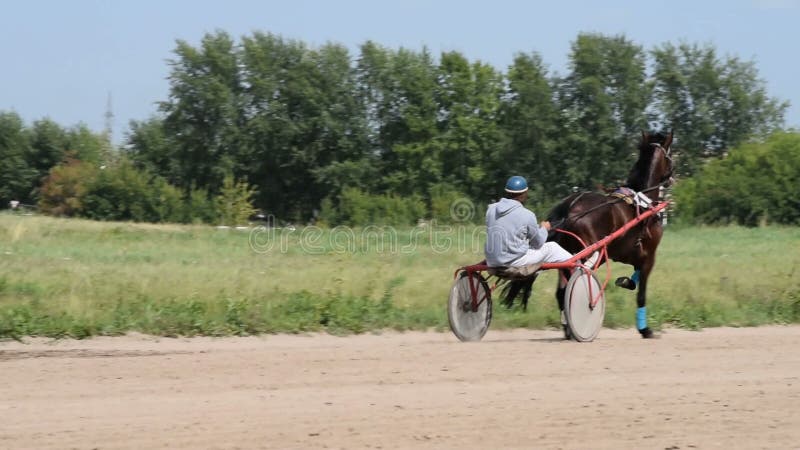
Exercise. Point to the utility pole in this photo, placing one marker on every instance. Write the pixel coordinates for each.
(109, 116)
(108, 132)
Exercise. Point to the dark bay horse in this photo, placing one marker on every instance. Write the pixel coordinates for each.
(593, 215)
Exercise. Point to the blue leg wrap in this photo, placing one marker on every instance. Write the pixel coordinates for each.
(641, 318)
(635, 277)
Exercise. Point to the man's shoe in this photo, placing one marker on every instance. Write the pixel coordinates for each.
(592, 260)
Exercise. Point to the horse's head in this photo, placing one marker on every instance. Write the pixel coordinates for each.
(654, 168)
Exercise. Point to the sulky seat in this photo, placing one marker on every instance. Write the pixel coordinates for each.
(515, 272)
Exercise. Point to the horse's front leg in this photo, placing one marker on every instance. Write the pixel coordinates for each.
(641, 301)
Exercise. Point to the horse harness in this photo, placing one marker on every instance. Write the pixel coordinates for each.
(637, 200)
(628, 195)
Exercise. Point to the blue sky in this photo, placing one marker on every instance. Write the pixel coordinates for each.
(60, 59)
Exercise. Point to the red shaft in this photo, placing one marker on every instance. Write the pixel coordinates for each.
(570, 263)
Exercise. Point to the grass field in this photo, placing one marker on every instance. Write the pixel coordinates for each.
(79, 278)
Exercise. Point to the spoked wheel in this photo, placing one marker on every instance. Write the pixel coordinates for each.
(469, 325)
(584, 321)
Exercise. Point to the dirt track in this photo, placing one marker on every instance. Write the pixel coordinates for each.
(719, 388)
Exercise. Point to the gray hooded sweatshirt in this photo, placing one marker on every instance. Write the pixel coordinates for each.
(510, 231)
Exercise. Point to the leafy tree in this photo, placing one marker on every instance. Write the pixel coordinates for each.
(273, 67)
(337, 122)
(530, 119)
(313, 129)
(603, 102)
(398, 88)
(148, 148)
(86, 145)
(48, 146)
(204, 117)
(713, 103)
(16, 175)
(306, 127)
(470, 142)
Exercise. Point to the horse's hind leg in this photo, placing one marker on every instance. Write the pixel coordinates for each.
(560, 292)
(515, 287)
(511, 292)
(527, 289)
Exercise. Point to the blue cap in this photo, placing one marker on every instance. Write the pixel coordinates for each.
(516, 185)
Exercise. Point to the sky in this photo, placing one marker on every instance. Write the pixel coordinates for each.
(63, 59)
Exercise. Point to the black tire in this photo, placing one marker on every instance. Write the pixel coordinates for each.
(583, 321)
(466, 324)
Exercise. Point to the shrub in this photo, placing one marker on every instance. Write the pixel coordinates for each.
(359, 208)
(63, 190)
(125, 193)
(199, 207)
(756, 184)
(234, 203)
(449, 205)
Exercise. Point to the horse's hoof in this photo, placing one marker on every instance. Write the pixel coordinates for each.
(625, 282)
(647, 333)
(567, 332)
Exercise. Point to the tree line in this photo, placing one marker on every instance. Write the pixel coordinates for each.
(398, 134)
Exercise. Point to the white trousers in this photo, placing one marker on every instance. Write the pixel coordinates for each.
(550, 252)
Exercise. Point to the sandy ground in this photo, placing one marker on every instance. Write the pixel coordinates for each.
(719, 388)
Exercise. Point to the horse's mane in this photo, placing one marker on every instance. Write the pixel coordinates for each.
(559, 212)
(637, 178)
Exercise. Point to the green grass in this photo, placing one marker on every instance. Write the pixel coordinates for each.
(79, 278)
